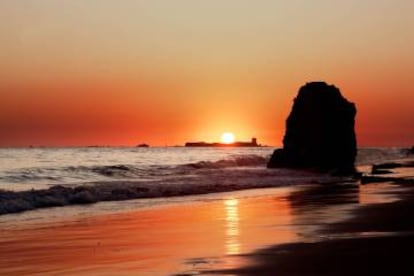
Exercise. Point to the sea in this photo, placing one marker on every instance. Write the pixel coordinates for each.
(158, 172)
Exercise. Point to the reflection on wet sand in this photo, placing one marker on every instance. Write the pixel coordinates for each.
(374, 193)
(163, 240)
(232, 226)
(186, 238)
(318, 206)
(367, 225)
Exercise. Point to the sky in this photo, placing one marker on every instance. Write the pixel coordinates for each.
(100, 72)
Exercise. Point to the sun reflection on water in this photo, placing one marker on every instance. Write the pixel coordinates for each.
(233, 246)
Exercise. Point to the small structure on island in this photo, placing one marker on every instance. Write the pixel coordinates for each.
(319, 133)
(252, 143)
(142, 146)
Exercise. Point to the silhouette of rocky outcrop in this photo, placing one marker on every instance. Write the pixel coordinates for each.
(320, 132)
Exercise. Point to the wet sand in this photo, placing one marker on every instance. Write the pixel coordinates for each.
(162, 240)
(313, 229)
(377, 238)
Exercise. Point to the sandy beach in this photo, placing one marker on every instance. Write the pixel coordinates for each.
(175, 238)
(328, 229)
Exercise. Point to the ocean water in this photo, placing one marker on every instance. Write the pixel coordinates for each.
(111, 173)
(39, 168)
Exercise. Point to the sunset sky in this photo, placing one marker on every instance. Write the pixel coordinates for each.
(83, 72)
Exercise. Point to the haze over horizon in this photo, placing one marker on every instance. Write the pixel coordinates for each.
(166, 72)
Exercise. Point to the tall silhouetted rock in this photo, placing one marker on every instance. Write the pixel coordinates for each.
(319, 132)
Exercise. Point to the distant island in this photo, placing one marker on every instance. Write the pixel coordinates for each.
(252, 143)
(142, 146)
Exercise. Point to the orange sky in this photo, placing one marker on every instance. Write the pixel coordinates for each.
(165, 72)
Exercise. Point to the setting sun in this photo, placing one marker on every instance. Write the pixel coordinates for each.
(227, 138)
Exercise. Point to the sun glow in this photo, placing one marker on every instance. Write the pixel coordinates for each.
(227, 138)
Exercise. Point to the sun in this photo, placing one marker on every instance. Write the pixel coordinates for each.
(227, 138)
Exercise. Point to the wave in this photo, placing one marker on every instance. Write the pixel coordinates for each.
(89, 184)
(368, 156)
(124, 171)
(74, 174)
(120, 170)
(205, 181)
(236, 161)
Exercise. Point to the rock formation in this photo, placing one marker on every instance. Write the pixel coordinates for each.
(319, 133)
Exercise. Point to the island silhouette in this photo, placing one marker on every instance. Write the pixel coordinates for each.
(252, 143)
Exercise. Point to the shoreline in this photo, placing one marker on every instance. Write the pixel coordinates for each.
(113, 208)
(162, 240)
(116, 191)
(194, 177)
(248, 232)
(375, 239)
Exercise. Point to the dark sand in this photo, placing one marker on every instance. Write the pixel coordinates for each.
(377, 239)
(315, 229)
